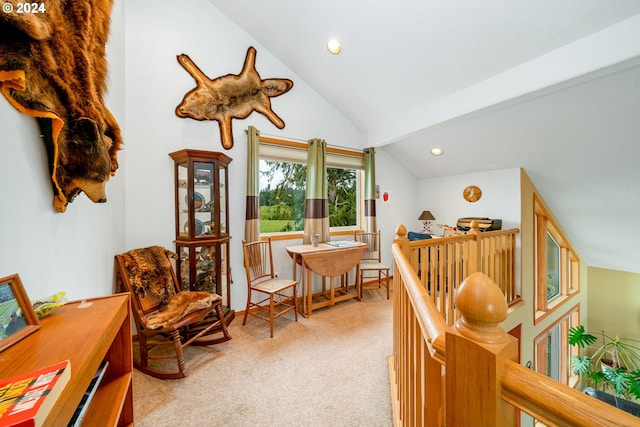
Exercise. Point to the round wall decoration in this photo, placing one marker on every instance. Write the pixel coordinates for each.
(472, 193)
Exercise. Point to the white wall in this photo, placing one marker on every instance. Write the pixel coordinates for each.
(72, 251)
(156, 84)
(403, 201)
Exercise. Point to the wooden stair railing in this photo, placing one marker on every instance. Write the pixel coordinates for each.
(442, 263)
(415, 367)
(483, 385)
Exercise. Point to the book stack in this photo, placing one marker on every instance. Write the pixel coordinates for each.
(27, 399)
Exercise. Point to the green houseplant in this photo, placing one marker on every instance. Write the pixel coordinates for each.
(614, 364)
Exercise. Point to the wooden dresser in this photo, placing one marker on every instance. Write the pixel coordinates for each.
(86, 336)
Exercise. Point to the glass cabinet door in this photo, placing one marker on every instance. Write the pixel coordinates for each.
(202, 222)
(182, 201)
(201, 195)
(194, 200)
(204, 200)
(204, 268)
(222, 203)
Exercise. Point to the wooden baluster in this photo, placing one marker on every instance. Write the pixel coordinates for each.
(474, 248)
(476, 348)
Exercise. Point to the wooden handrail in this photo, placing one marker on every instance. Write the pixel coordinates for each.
(483, 385)
(556, 404)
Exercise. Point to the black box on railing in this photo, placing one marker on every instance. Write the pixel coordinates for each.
(484, 224)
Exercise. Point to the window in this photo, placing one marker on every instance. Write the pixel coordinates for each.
(283, 174)
(282, 196)
(557, 265)
(553, 353)
(553, 267)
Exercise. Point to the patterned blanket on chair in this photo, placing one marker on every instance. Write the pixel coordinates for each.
(150, 274)
(180, 304)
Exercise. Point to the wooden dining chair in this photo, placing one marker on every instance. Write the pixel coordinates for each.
(276, 296)
(371, 265)
(167, 319)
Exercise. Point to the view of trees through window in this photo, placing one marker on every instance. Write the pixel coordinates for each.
(553, 268)
(282, 196)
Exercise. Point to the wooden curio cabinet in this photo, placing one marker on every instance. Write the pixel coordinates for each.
(202, 223)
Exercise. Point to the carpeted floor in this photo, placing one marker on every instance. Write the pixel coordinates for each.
(328, 370)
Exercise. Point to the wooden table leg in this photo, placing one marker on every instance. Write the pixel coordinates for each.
(358, 283)
(295, 262)
(309, 292)
(333, 290)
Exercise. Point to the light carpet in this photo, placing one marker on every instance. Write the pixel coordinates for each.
(327, 370)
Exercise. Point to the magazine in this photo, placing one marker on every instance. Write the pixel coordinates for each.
(81, 410)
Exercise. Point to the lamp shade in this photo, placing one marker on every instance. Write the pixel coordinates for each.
(426, 216)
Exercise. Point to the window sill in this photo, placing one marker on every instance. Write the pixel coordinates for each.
(557, 302)
(299, 234)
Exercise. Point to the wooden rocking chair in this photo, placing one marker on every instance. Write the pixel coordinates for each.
(166, 317)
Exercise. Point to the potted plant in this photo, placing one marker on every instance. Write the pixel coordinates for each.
(614, 364)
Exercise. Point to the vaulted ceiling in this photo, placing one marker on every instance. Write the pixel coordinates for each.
(550, 86)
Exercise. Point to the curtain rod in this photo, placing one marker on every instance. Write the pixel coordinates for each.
(275, 138)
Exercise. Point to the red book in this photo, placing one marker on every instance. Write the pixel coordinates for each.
(26, 400)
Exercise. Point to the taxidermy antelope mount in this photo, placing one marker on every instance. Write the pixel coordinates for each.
(230, 96)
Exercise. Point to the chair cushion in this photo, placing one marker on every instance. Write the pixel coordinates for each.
(180, 304)
(372, 265)
(273, 285)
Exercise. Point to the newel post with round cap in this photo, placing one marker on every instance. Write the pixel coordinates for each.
(476, 349)
(402, 239)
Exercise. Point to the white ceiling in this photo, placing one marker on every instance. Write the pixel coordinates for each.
(552, 86)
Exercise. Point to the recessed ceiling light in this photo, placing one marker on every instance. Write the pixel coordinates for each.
(334, 46)
(436, 151)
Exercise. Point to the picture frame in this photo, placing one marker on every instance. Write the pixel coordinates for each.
(18, 319)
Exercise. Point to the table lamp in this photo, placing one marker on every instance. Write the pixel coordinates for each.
(427, 217)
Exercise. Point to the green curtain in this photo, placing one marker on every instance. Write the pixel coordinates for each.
(252, 219)
(316, 210)
(370, 190)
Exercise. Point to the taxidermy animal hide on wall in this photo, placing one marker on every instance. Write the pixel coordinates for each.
(231, 96)
(53, 68)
